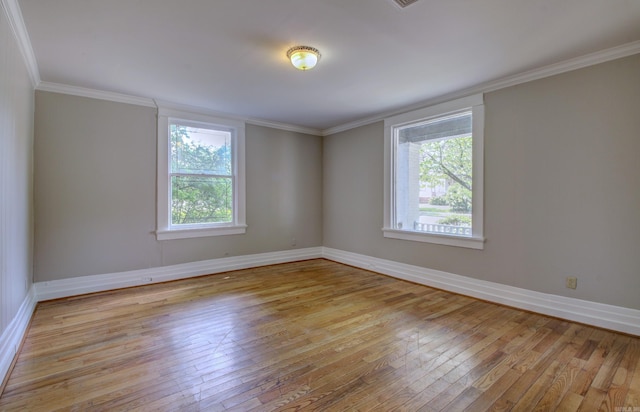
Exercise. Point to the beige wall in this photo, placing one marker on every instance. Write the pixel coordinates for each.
(16, 143)
(562, 189)
(95, 191)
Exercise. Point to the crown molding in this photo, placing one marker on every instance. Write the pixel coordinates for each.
(172, 106)
(580, 62)
(249, 120)
(285, 127)
(587, 60)
(94, 94)
(143, 101)
(16, 22)
(14, 16)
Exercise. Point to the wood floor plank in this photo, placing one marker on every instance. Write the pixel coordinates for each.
(633, 395)
(621, 383)
(491, 394)
(312, 335)
(570, 403)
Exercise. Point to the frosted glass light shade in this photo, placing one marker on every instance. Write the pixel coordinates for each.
(303, 57)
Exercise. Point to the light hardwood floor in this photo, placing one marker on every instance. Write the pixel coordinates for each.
(313, 335)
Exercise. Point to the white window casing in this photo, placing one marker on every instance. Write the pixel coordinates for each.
(165, 230)
(391, 228)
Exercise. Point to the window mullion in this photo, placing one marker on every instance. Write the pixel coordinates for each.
(177, 174)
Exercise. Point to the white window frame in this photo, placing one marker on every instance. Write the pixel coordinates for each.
(476, 104)
(165, 230)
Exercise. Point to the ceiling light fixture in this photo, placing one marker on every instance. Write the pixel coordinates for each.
(303, 57)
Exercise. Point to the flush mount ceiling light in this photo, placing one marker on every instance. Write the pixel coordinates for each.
(303, 57)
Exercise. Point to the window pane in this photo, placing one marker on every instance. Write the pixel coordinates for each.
(200, 150)
(434, 176)
(201, 200)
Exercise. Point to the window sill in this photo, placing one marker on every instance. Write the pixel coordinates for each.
(168, 234)
(459, 241)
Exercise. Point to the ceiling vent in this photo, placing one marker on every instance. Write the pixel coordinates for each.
(404, 3)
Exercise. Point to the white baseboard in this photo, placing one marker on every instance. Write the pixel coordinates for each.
(56, 289)
(14, 333)
(40, 291)
(597, 314)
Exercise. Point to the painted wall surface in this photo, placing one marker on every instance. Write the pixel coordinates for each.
(16, 143)
(562, 189)
(95, 191)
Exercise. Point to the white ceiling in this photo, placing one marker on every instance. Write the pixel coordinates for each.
(229, 56)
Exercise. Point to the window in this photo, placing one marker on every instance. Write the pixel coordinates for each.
(433, 174)
(200, 176)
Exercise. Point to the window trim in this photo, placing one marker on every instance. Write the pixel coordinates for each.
(476, 104)
(164, 229)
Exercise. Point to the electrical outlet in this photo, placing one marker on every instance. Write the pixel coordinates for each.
(572, 282)
(293, 242)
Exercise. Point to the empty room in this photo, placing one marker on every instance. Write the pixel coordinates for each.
(362, 205)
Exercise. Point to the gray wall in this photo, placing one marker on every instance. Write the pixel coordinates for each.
(16, 145)
(95, 191)
(562, 189)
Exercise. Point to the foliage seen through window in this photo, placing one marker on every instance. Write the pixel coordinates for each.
(201, 175)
